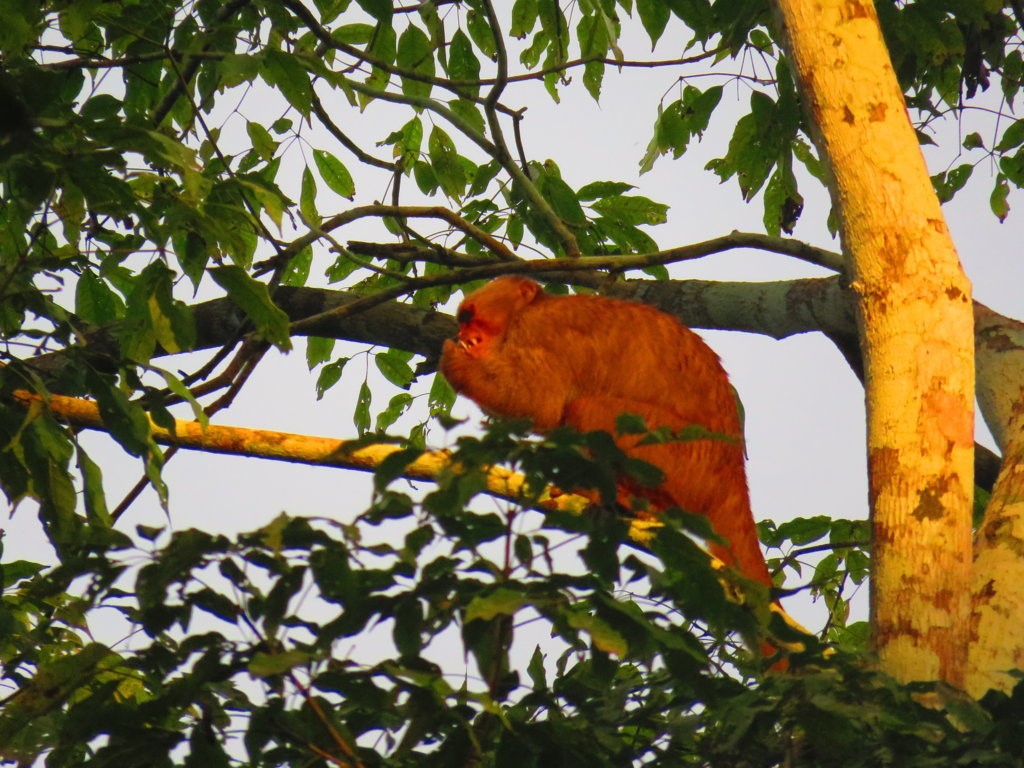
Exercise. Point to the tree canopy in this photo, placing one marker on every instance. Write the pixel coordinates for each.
(178, 187)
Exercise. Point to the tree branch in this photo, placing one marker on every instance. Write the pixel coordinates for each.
(298, 449)
(344, 140)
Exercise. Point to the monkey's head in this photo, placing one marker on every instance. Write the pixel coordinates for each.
(485, 314)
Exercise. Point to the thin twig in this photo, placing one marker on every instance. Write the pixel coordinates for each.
(192, 64)
(344, 140)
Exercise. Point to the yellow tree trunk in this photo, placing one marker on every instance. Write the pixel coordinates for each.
(997, 642)
(916, 328)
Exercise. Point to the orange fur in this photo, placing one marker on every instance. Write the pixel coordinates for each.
(583, 360)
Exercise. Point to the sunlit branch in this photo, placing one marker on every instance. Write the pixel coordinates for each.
(298, 449)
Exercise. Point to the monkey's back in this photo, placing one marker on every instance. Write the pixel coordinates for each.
(610, 347)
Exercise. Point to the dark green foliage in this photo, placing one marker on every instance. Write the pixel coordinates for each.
(303, 639)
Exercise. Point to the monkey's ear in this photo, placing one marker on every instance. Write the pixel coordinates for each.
(528, 289)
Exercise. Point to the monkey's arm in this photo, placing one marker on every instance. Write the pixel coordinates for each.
(511, 382)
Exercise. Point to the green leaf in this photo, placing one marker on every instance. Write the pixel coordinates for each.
(631, 209)
(397, 406)
(531, 55)
(412, 138)
(379, 9)
(499, 602)
(408, 627)
(297, 271)
(805, 530)
(482, 34)
(1012, 167)
(361, 416)
(537, 671)
(750, 157)
(152, 315)
(287, 73)
(354, 34)
(760, 40)
(330, 374)
(261, 139)
(383, 46)
(395, 367)
(563, 200)
(271, 664)
(95, 302)
(603, 636)
(484, 176)
(444, 157)
(441, 397)
(1012, 137)
(973, 140)
(92, 487)
(53, 683)
(999, 199)
(593, 77)
(416, 53)
(342, 267)
(193, 254)
(514, 230)
(598, 189)
(126, 420)
(307, 199)
(216, 604)
(654, 15)
(949, 183)
(471, 114)
(426, 179)
(178, 388)
(318, 350)
(22, 22)
(463, 63)
(783, 204)
(524, 18)
(334, 173)
(253, 298)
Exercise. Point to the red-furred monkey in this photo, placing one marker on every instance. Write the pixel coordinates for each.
(583, 360)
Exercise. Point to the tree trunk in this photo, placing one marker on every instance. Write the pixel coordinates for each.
(997, 646)
(916, 330)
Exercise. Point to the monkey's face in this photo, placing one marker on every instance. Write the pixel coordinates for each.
(485, 314)
(476, 330)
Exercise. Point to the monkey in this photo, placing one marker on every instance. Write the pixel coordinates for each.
(581, 361)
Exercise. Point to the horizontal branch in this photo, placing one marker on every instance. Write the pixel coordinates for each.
(295, 448)
(615, 263)
(776, 309)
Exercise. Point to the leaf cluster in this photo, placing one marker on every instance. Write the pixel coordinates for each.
(314, 642)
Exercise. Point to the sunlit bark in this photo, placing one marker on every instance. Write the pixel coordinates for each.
(997, 645)
(916, 328)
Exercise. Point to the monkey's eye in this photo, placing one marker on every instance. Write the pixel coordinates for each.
(465, 315)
